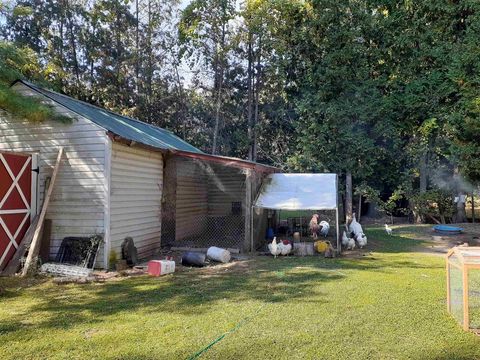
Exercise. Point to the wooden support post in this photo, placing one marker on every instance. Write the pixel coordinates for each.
(252, 226)
(337, 220)
(448, 287)
(34, 249)
(248, 211)
(466, 318)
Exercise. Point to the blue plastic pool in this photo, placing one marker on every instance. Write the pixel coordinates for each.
(447, 230)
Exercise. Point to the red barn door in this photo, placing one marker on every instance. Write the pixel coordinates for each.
(15, 202)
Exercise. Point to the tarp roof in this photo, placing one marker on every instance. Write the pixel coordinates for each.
(120, 125)
(298, 192)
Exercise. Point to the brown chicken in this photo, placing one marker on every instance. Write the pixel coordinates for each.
(314, 226)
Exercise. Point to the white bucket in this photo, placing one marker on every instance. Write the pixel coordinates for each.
(218, 254)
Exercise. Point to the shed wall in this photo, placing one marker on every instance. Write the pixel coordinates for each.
(78, 200)
(135, 198)
(191, 198)
(204, 196)
(226, 185)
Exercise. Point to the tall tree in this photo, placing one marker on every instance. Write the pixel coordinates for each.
(205, 33)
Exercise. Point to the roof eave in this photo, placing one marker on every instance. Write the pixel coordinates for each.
(121, 140)
(233, 162)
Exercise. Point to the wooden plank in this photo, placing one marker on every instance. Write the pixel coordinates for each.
(248, 241)
(34, 249)
(456, 265)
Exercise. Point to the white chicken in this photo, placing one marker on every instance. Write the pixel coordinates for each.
(324, 228)
(344, 239)
(357, 232)
(285, 249)
(361, 240)
(355, 226)
(274, 248)
(388, 229)
(351, 244)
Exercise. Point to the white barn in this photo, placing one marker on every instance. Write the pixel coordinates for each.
(111, 180)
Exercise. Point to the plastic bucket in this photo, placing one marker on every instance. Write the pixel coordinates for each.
(193, 259)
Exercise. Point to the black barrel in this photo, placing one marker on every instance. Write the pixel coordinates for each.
(193, 259)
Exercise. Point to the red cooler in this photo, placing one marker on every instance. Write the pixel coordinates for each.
(160, 267)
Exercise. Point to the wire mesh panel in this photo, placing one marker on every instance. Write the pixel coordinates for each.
(464, 286)
(456, 288)
(204, 204)
(474, 298)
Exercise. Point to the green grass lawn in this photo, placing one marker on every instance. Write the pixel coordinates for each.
(389, 304)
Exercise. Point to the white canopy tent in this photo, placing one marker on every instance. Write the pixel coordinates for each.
(300, 192)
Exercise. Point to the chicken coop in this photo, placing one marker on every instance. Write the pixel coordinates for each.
(463, 286)
(290, 200)
(207, 201)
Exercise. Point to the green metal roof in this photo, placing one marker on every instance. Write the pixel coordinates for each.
(120, 125)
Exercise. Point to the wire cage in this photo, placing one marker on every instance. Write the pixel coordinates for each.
(463, 286)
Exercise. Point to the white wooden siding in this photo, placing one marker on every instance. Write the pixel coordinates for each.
(135, 198)
(78, 201)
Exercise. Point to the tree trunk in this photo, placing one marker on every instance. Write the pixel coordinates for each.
(217, 117)
(461, 215)
(219, 69)
(257, 96)
(74, 48)
(137, 51)
(250, 96)
(473, 209)
(359, 210)
(423, 173)
(348, 197)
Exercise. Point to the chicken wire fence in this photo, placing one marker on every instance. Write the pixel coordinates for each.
(463, 286)
(204, 204)
(455, 289)
(474, 299)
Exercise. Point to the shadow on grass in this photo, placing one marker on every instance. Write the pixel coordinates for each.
(197, 290)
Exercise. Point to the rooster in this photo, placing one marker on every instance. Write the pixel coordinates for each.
(388, 229)
(314, 227)
(274, 249)
(324, 228)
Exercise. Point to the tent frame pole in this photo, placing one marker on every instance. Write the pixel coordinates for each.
(252, 214)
